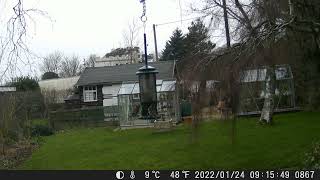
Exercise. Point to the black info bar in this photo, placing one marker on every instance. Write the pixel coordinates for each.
(158, 174)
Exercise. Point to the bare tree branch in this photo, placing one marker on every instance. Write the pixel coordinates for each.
(14, 49)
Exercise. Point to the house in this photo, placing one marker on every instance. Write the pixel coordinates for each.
(150, 57)
(119, 56)
(58, 89)
(100, 86)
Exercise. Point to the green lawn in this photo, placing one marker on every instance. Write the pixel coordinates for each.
(257, 147)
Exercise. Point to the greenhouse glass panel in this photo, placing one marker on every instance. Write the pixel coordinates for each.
(283, 73)
(253, 90)
(126, 88)
(195, 86)
(136, 89)
(125, 110)
(254, 75)
(168, 86)
(159, 88)
(210, 84)
(159, 82)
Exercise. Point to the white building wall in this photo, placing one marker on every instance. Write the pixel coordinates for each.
(59, 83)
(117, 60)
(60, 87)
(110, 95)
(7, 89)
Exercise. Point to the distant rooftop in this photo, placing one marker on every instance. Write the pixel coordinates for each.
(121, 51)
(123, 73)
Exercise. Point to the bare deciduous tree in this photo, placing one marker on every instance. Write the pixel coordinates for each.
(70, 66)
(258, 27)
(14, 50)
(91, 61)
(131, 37)
(63, 65)
(52, 62)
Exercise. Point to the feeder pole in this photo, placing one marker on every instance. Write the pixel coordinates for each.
(147, 80)
(155, 42)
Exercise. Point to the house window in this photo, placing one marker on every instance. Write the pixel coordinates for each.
(89, 93)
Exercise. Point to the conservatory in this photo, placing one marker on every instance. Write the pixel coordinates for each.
(129, 103)
(253, 90)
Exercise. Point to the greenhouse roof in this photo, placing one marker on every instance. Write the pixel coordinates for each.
(282, 72)
(133, 87)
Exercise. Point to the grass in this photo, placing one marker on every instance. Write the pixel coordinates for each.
(44, 122)
(280, 146)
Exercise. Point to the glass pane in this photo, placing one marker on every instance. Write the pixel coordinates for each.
(253, 75)
(282, 73)
(211, 83)
(136, 89)
(126, 88)
(159, 82)
(168, 86)
(95, 95)
(195, 86)
(87, 96)
(158, 88)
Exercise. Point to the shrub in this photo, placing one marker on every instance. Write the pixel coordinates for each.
(13, 136)
(41, 130)
(312, 158)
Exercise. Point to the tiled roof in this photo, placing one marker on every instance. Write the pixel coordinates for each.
(122, 73)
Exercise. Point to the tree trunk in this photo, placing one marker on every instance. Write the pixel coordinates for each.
(291, 10)
(2, 144)
(3, 149)
(268, 106)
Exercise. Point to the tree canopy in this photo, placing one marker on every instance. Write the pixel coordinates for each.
(174, 49)
(24, 83)
(198, 38)
(195, 43)
(49, 75)
(197, 46)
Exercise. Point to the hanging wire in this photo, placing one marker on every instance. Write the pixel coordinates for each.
(171, 22)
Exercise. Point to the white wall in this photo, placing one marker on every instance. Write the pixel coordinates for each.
(113, 91)
(7, 89)
(60, 88)
(59, 83)
(117, 60)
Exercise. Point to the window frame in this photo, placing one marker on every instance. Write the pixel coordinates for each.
(90, 89)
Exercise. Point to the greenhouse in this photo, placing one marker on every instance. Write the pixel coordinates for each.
(129, 103)
(253, 90)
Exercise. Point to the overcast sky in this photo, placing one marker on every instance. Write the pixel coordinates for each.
(84, 27)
